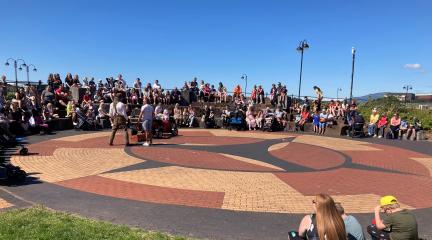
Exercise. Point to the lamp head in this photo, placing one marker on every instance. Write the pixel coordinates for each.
(299, 49)
(353, 50)
(305, 45)
(7, 63)
(242, 77)
(25, 65)
(34, 70)
(20, 68)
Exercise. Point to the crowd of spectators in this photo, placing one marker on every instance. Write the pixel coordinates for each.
(397, 127)
(32, 108)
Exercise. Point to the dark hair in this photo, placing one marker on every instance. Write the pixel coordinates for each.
(339, 207)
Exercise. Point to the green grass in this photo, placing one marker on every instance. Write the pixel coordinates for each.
(39, 223)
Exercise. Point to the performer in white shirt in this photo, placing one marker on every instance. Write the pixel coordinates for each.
(118, 117)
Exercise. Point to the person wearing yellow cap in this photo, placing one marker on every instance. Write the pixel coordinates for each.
(395, 224)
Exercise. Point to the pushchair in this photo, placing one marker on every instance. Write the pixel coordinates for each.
(357, 130)
(161, 127)
(269, 122)
(236, 121)
(84, 123)
(12, 142)
(357, 126)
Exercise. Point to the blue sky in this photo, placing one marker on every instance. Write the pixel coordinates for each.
(218, 40)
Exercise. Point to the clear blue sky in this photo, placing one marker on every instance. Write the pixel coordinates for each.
(218, 40)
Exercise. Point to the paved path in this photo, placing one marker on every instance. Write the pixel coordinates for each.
(220, 184)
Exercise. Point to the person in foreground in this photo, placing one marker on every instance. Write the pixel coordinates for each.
(119, 118)
(396, 224)
(147, 115)
(352, 226)
(325, 223)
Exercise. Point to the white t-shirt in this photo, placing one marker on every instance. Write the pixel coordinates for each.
(121, 109)
(147, 112)
(323, 115)
(158, 110)
(157, 86)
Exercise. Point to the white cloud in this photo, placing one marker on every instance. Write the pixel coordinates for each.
(413, 66)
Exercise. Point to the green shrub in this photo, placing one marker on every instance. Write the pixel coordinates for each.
(10, 96)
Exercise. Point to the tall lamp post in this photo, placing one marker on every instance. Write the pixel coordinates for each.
(27, 70)
(244, 77)
(303, 45)
(407, 88)
(353, 52)
(337, 93)
(15, 61)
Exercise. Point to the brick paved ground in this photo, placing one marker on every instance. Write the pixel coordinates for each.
(274, 175)
(189, 170)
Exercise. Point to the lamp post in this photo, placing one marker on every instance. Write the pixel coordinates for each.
(353, 53)
(15, 66)
(303, 45)
(337, 93)
(27, 70)
(244, 77)
(407, 88)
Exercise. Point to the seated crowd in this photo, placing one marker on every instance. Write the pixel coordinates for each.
(32, 108)
(397, 127)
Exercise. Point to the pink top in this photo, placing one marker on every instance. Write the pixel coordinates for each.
(395, 121)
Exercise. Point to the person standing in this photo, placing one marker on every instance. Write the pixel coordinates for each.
(147, 115)
(118, 117)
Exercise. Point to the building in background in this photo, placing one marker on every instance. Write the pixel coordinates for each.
(402, 96)
(423, 97)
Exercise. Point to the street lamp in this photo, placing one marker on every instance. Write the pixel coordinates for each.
(15, 66)
(27, 70)
(337, 93)
(303, 45)
(353, 52)
(244, 77)
(407, 88)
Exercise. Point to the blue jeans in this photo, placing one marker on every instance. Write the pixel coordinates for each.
(371, 129)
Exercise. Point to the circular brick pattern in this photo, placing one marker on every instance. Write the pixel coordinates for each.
(196, 159)
(241, 171)
(310, 156)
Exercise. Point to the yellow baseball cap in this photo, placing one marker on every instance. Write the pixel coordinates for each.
(387, 200)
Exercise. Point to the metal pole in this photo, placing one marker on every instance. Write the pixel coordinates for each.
(406, 94)
(28, 76)
(16, 74)
(337, 94)
(301, 70)
(246, 86)
(352, 73)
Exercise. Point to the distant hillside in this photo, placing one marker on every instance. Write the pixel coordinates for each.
(371, 96)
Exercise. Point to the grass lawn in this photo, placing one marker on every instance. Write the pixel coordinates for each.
(41, 223)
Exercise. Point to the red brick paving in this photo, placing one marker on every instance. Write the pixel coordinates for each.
(209, 140)
(195, 158)
(46, 148)
(412, 190)
(147, 193)
(390, 158)
(309, 156)
(196, 133)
